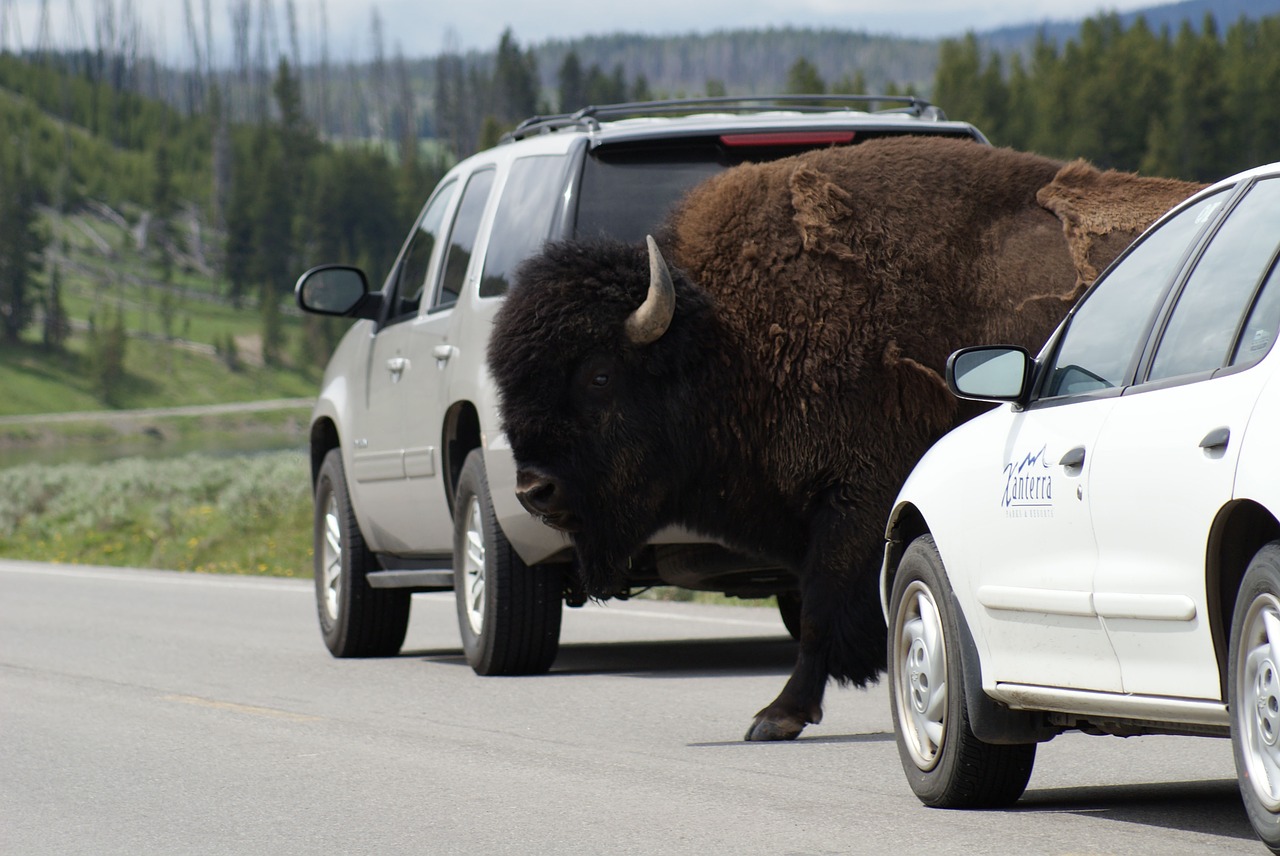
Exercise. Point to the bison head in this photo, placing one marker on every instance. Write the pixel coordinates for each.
(597, 353)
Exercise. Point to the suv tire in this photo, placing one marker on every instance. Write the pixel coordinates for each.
(508, 612)
(356, 620)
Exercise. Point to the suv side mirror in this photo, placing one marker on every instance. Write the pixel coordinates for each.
(337, 290)
(990, 373)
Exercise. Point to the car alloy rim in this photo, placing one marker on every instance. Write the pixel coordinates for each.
(920, 663)
(473, 568)
(332, 557)
(1258, 712)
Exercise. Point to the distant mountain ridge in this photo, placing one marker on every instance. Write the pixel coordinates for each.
(757, 61)
(1170, 15)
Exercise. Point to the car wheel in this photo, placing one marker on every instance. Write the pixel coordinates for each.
(356, 619)
(508, 612)
(946, 765)
(1253, 692)
(789, 605)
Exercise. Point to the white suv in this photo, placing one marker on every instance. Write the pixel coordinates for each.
(1102, 552)
(414, 480)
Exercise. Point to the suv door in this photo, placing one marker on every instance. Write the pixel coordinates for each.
(1170, 449)
(381, 481)
(427, 401)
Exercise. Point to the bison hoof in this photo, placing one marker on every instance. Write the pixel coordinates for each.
(763, 729)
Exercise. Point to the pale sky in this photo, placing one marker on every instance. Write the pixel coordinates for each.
(420, 28)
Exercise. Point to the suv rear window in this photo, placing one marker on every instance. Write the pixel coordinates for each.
(628, 188)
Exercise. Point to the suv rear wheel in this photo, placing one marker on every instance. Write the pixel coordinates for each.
(508, 612)
(356, 620)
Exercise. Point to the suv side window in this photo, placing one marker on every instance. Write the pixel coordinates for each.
(1201, 332)
(1104, 338)
(462, 238)
(529, 204)
(415, 270)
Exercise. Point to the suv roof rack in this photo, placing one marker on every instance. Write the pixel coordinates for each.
(590, 117)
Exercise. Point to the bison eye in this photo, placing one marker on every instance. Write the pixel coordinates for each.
(599, 380)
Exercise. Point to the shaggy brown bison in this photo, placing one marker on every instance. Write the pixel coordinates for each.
(773, 386)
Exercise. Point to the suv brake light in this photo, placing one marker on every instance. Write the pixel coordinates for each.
(788, 138)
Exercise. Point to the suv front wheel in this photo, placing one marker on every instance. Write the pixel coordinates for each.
(508, 612)
(356, 619)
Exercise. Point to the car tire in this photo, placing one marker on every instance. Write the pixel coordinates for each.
(508, 612)
(946, 765)
(356, 619)
(1253, 692)
(789, 607)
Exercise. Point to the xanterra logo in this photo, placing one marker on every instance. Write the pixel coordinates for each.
(1028, 486)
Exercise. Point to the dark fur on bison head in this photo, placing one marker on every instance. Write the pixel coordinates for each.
(589, 405)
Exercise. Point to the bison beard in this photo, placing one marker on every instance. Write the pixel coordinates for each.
(780, 398)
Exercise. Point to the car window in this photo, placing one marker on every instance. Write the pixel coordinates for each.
(1260, 330)
(1106, 330)
(462, 238)
(415, 270)
(530, 201)
(1201, 332)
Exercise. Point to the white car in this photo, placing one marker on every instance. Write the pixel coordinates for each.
(414, 480)
(1102, 551)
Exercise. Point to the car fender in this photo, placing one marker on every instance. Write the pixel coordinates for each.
(1259, 453)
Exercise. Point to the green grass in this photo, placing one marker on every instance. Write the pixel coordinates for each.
(239, 515)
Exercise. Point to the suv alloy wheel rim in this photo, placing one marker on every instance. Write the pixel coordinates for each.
(1258, 714)
(473, 567)
(920, 658)
(332, 557)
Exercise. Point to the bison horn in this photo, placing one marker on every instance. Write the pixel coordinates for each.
(651, 318)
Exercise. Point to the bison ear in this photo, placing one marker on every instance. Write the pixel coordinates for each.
(652, 318)
(823, 211)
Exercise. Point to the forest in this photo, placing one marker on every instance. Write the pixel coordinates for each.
(234, 180)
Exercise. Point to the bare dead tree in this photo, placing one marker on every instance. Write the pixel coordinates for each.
(406, 112)
(196, 89)
(44, 43)
(378, 71)
(322, 95)
(241, 12)
(295, 48)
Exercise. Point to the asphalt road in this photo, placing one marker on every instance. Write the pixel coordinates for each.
(147, 712)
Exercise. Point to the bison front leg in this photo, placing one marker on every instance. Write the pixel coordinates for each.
(842, 632)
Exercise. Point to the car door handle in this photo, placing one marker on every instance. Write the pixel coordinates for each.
(1216, 439)
(1074, 458)
(397, 365)
(443, 352)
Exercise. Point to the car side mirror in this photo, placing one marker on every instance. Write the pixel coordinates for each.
(990, 373)
(339, 290)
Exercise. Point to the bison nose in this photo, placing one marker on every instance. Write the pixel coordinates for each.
(539, 493)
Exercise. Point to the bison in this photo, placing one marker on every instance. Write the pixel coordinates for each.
(773, 383)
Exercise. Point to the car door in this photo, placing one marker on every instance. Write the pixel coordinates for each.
(1037, 572)
(381, 480)
(1165, 460)
(426, 525)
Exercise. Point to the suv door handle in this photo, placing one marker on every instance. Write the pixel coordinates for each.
(397, 365)
(1216, 439)
(1073, 458)
(442, 353)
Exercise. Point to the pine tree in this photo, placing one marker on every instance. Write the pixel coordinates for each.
(573, 92)
(21, 245)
